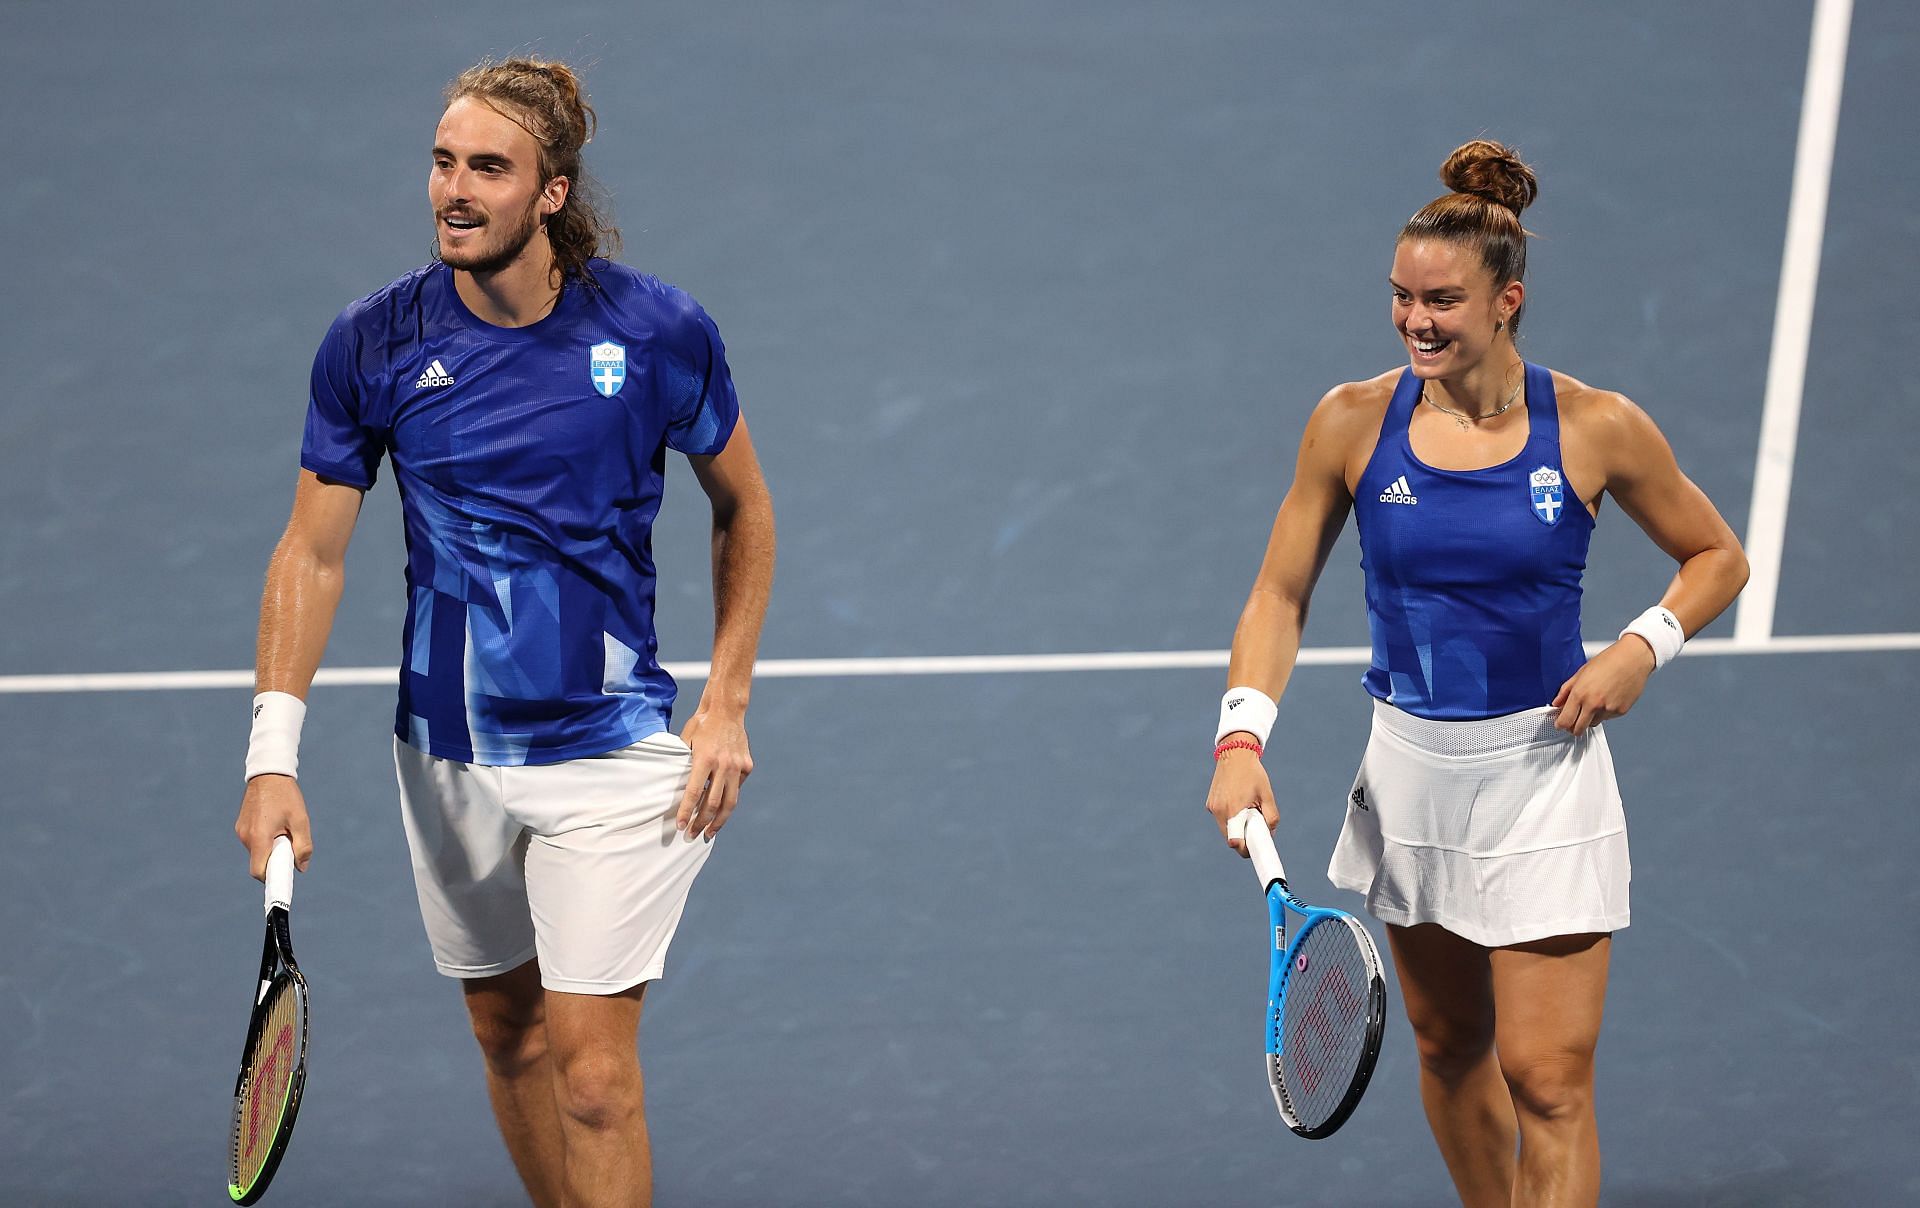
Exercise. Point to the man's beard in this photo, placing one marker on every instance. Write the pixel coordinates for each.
(503, 253)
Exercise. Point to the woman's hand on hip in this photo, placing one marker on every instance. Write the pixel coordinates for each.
(1606, 687)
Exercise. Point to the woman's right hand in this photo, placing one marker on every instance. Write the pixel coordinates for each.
(1240, 782)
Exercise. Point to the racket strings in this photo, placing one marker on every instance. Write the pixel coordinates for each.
(1324, 1021)
(270, 1068)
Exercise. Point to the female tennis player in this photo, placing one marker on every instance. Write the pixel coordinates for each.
(1484, 827)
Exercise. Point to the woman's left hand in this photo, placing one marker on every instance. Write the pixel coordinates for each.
(1606, 687)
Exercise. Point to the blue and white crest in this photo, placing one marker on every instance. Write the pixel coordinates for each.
(608, 363)
(1549, 496)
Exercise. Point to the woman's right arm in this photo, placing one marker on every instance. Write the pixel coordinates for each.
(1267, 639)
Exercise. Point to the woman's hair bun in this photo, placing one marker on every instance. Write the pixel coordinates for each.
(1494, 171)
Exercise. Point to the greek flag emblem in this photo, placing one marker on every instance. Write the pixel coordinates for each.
(608, 364)
(1549, 496)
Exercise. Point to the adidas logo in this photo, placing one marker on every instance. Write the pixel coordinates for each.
(436, 375)
(1399, 492)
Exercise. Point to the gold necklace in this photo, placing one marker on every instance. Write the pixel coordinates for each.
(1462, 418)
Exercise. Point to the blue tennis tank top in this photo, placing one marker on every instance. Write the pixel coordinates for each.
(1473, 576)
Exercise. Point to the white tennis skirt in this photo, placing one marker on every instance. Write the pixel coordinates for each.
(1502, 831)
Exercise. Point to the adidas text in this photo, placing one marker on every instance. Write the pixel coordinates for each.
(436, 375)
(1399, 492)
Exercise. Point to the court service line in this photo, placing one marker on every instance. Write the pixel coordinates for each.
(1793, 316)
(954, 664)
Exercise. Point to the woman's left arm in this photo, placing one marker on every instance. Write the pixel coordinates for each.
(1640, 472)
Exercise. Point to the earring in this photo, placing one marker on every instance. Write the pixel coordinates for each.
(1500, 325)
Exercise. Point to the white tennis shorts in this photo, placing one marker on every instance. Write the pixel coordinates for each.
(1502, 831)
(576, 862)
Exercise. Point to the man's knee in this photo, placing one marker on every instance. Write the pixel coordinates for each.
(599, 1088)
(1550, 1085)
(510, 1027)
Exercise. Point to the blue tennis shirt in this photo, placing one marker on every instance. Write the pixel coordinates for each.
(1473, 576)
(530, 463)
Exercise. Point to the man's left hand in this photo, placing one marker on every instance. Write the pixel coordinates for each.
(721, 763)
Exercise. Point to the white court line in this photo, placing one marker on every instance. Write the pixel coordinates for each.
(1793, 317)
(956, 664)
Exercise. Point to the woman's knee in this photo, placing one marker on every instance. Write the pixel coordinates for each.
(1451, 1049)
(1551, 1084)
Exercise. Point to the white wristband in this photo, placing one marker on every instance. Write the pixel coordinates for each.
(1661, 630)
(1247, 709)
(275, 744)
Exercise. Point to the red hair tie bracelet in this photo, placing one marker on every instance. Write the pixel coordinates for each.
(1239, 744)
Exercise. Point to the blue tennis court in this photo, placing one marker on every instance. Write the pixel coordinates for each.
(1027, 305)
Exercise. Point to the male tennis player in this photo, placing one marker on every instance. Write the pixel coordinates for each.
(526, 391)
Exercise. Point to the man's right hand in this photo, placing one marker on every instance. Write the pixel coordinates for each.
(273, 806)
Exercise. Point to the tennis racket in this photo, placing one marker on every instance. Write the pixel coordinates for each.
(1326, 999)
(273, 1067)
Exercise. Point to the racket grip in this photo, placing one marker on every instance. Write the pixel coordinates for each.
(1250, 827)
(280, 874)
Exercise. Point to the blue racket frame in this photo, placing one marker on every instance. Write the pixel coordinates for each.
(1249, 828)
